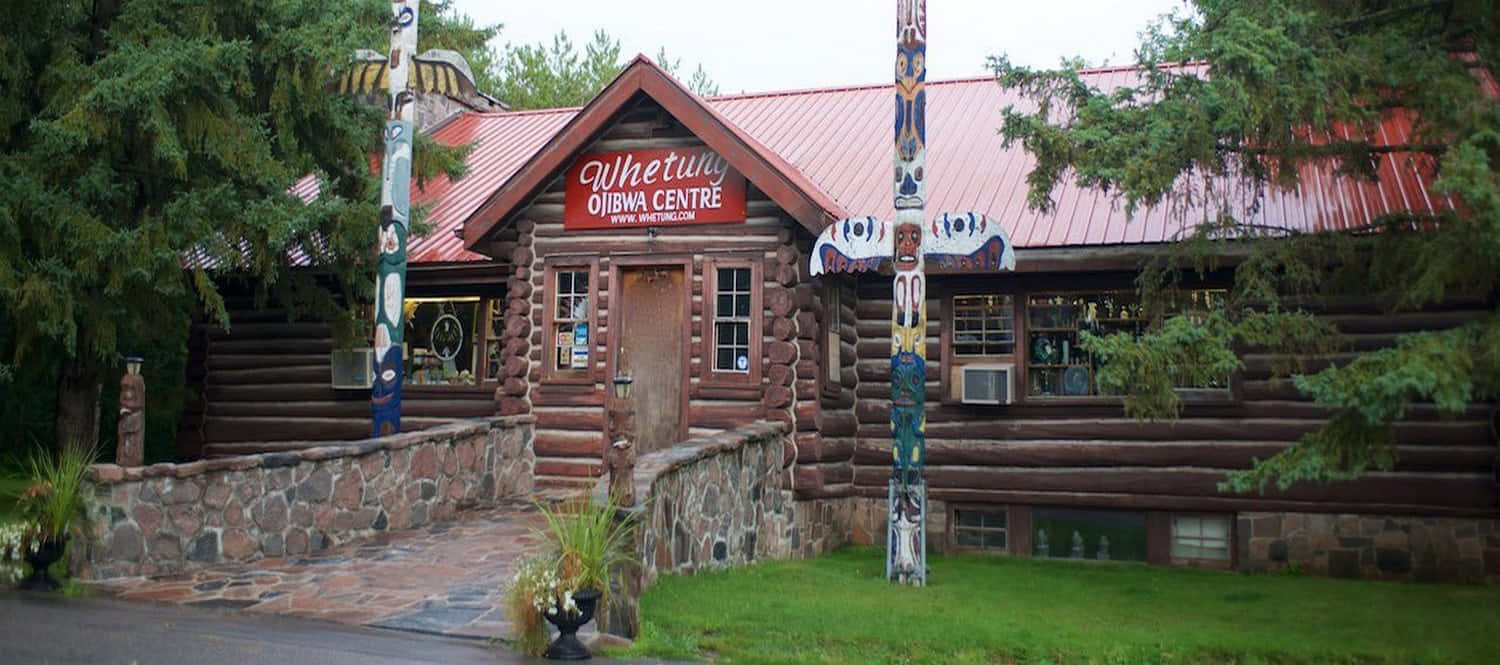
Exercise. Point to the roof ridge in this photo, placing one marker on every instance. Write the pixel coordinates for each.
(512, 114)
(1107, 69)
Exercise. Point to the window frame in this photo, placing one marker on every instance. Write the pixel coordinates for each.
(831, 354)
(551, 374)
(1227, 395)
(953, 528)
(1229, 540)
(481, 343)
(952, 362)
(709, 374)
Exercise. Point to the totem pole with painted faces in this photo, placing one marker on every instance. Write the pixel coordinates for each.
(957, 242)
(400, 73)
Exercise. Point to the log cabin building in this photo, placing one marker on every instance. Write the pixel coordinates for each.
(665, 236)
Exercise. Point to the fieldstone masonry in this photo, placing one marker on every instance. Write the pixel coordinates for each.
(167, 518)
(718, 501)
(1424, 549)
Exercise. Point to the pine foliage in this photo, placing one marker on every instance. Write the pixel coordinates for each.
(149, 146)
(1271, 88)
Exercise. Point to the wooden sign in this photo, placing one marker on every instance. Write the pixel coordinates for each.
(661, 187)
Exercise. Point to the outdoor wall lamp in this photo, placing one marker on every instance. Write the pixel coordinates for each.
(622, 383)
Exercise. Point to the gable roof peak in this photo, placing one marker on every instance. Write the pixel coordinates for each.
(793, 191)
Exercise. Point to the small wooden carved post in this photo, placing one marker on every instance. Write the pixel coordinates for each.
(622, 472)
(130, 437)
(620, 458)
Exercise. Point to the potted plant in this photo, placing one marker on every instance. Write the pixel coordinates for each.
(52, 508)
(568, 584)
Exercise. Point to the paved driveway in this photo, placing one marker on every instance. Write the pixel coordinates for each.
(444, 579)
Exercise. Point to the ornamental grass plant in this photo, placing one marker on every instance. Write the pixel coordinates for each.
(587, 541)
(53, 505)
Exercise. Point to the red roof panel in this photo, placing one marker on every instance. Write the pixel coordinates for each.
(839, 139)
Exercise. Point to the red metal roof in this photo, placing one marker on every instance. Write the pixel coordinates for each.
(839, 139)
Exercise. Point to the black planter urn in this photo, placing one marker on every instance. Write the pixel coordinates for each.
(48, 553)
(567, 646)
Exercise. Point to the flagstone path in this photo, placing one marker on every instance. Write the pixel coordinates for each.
(444, 579)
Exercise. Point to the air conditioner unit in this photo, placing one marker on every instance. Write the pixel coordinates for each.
(986, 383)
(353, 369)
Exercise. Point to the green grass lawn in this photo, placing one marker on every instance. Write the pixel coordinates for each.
(979, 609)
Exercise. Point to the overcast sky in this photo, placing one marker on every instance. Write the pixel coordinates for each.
(759, 45)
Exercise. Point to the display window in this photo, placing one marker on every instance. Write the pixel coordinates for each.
(443, 341)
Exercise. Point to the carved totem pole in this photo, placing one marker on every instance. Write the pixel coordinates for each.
(401, 73)
(954, 242)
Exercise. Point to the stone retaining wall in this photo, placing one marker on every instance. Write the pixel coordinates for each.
(1424, 549)
(717, 501)
(167, 518)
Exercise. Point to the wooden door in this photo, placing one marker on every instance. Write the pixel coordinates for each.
(652, 319)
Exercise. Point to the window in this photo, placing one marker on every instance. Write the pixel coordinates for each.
(983, 326)
(443, 338)
(1104, 535)
(979, 529)
(570, 329)
(832, 320)
(492, 340)
(732, 329)
(732, 320)
(1203, 537)
(1054, 363)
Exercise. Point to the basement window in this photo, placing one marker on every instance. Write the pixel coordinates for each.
(1200, 537)
(979, 529)
(1101, 535)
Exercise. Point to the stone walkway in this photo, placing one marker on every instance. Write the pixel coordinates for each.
(445, 579)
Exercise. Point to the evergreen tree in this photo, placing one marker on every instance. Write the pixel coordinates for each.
(1280, 76)
(150, 143)
(699, 81)
(537, 76)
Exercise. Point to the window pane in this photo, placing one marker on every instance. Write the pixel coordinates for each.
(1090, 534)
(968, 538)
(1200, 537)
(742, 334)
(725, 280)
(742, 279)
(569, 343)
(994, 540)
(724, 359)
(983, 325)
(442, 336)
(742, 306)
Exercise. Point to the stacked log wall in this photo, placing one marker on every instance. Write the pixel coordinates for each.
(825, 454)
(266, 385)
(1053, 452)
(571, 419)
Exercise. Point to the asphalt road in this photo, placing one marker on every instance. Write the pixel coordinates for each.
(43, 629)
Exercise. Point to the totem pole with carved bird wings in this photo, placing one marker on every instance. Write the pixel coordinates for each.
(954, 242)
(402, 73)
